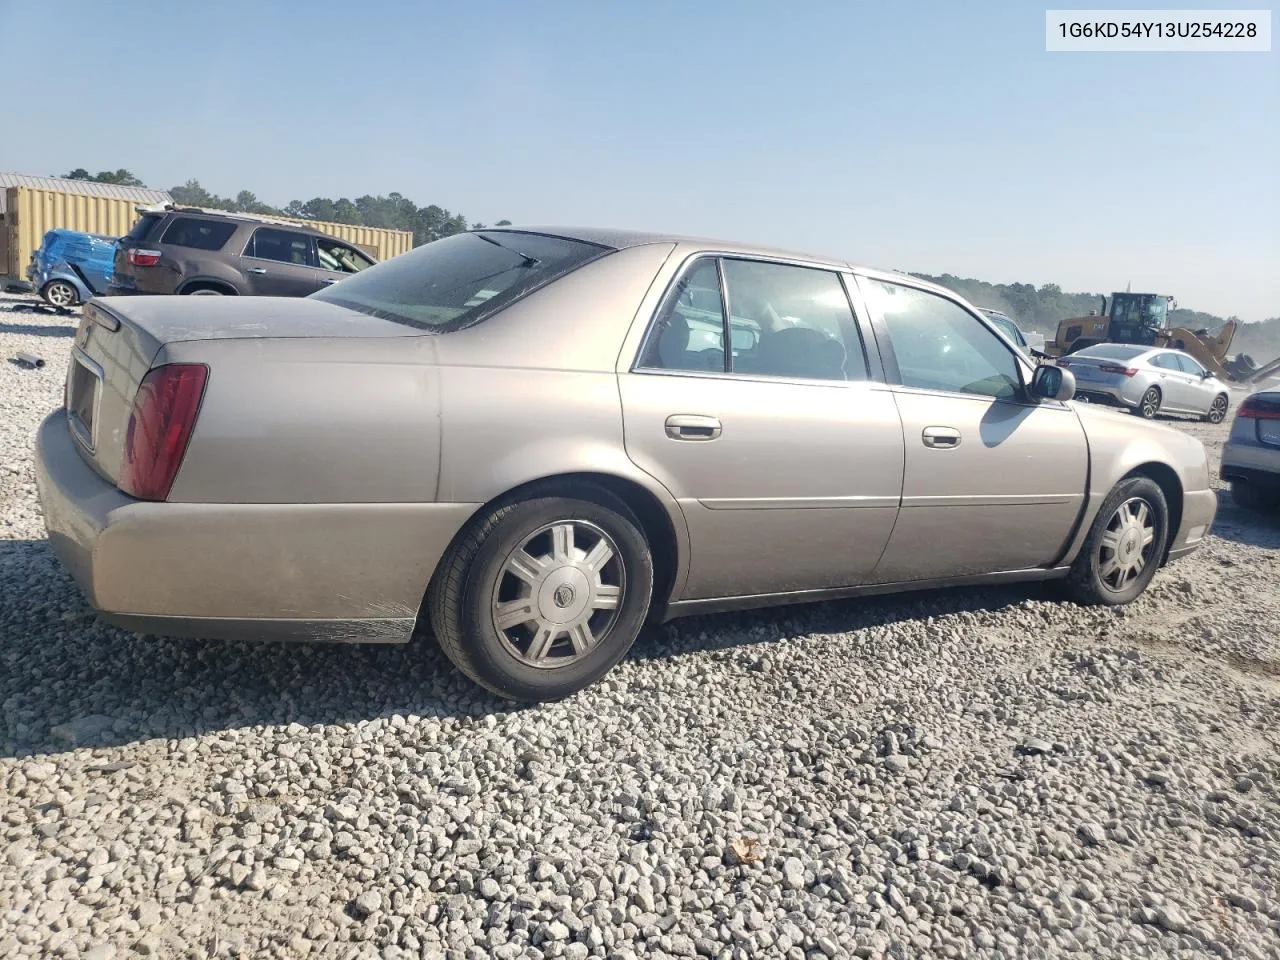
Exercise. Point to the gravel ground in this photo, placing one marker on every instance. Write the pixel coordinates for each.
(957, 773)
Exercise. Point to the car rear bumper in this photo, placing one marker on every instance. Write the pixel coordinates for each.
(341, 572)
(1251, 461)
(1199, 510)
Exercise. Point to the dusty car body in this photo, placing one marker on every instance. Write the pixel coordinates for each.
(1148, 381)
(1251, 455)
(528, 439)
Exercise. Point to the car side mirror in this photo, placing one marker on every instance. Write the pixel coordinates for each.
(1206, 374)
(1053, 383)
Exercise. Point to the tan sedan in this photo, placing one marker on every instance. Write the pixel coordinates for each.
(536, 439)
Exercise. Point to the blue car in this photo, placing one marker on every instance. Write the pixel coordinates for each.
(71, 267)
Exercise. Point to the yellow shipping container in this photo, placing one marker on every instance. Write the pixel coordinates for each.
(30, 213)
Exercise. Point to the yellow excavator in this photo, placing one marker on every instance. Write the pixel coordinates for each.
(1142, 318)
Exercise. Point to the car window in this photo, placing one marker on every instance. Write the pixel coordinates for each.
(1007, 328)
(1165, 361)
(806, 326)
(1189, 364)
(941, 346)
(200, 234)
(339, 258)
(140, 229)
(284, 246)
(1112, 351)
(689, 331)
(460, 280)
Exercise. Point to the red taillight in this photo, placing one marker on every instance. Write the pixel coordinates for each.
(164, 414)
(1116, 368)
(144, 258)
(1260, 408)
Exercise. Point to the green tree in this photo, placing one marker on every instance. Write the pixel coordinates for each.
(121, 177)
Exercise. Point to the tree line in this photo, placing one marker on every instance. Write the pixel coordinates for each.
(394, 211)
(1033, 308)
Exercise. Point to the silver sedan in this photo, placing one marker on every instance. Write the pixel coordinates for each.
(1147, 381)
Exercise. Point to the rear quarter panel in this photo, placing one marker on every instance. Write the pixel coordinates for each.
(313, 421)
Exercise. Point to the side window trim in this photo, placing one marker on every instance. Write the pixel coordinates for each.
(686, 270)
(862, 328)
(884, 343)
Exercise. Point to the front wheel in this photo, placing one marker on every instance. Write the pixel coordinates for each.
(1125, 545)
(1149, 405)
(543, 596)
(1218, 409)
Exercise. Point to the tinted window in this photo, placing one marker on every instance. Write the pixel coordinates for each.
(689, 333)
(461, 279)
(941, 346)
(200, 234)
(1188, 364)
(284, 246)
(143, 226)
(339, 258)
(1165, 361)
(1006, 326)
(806, 326)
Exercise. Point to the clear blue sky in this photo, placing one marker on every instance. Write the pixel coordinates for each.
(937, 137)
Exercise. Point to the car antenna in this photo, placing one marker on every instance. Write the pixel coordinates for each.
(528, 260)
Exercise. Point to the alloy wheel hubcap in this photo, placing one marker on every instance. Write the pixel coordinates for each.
(1219, 410)
(62, 295)
(1125, 548)
(558, 594)
(1149, 403)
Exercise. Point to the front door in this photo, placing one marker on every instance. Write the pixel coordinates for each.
(993, 481)
(337, 261)
(280, 263)
(784, 457)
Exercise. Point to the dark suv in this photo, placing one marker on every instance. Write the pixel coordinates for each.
(189, 250)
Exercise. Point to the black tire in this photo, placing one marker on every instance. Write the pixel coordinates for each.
(462, 593)
(1087, 583)
(1218, 411)
(60, 293)
(1247, 496)
(1149, 405)
(204, 292)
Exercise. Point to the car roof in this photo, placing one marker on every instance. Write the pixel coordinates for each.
(622, 239)
(181, 210)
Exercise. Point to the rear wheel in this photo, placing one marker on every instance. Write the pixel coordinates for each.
(60, 293)
(1218, 409)
(543, 596)
(1124, 547)
(205, 292)
(1149, 405)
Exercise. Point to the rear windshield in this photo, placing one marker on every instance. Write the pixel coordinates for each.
(1113, 351)
(143, 226)
(200, 234)
(460, 280)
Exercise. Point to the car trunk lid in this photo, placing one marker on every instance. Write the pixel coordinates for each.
(120, 338)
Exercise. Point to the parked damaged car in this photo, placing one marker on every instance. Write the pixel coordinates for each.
(531, 441)
(70, 267)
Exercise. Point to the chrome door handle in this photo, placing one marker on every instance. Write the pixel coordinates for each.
(328, 280)
(257, 270)
(692, 427)
(943, 437)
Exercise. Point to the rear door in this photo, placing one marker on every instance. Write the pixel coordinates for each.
(280, 263)
(338, 260)
(784, 454)
(994, 481)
